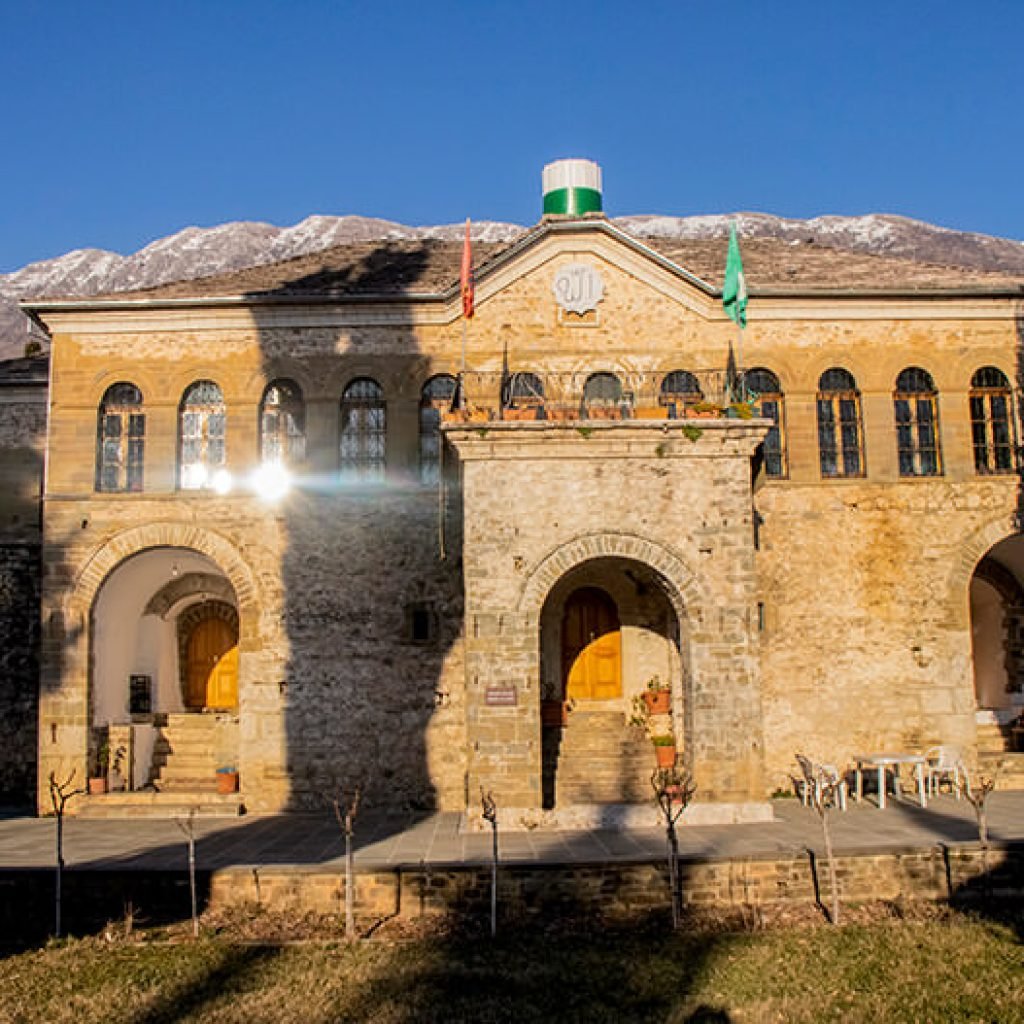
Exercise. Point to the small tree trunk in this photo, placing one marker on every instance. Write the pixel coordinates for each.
(350, 882)
(830, 857)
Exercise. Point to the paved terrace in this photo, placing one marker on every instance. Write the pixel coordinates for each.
(308, 841)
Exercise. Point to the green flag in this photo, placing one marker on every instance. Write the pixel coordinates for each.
(734, 290)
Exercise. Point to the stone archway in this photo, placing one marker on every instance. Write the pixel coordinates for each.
(607, 628)
(67, 696)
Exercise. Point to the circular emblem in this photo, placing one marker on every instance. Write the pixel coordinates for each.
(578, 288)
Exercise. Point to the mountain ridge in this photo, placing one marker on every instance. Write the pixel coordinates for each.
(195, 252)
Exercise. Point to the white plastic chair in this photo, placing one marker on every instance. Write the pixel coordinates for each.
(820, 781)
(944, 764)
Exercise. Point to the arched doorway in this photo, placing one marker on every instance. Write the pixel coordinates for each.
(607, 627)
(208, 639)
(164, 669)
(997, 642)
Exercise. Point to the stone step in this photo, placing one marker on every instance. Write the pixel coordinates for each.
(149, 804)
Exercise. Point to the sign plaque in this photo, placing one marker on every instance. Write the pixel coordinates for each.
(501, 696)
(578, 288)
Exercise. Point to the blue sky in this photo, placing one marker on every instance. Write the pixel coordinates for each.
(128, 121)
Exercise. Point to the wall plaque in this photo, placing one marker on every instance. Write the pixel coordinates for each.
(504, 696)
(578, 288)
(140, 695)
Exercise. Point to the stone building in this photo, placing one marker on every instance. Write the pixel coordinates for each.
(270, 546)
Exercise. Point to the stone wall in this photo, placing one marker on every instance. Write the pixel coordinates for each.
(22, 442)
(19, 671)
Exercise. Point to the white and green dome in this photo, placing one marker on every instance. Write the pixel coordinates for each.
(572, 187)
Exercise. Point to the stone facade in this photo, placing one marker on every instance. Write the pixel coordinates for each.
(22, 444)
(789, 613)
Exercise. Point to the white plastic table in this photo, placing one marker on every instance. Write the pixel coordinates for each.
(883, 761)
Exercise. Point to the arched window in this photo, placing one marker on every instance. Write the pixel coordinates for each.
(602, 391)
(202, 423)
(120, 439)
(283, 424)
(363, 431)
(840, 429)
(766, 391)
(991, 421)
(435, 398)
(525, 390)
(915, 405)
(680, 388)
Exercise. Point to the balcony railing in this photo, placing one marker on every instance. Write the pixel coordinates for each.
(575, 395)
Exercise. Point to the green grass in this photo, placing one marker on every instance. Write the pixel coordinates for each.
(946, 968)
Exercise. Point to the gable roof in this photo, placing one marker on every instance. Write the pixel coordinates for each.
(428, 269)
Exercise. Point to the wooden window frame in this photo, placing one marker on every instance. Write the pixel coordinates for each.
(204, 449)
(434, 402)
(993, 422)
(282, 421)
(840, 426)
(771, 405)
(915, 416)
(362, 443)
(121, 440)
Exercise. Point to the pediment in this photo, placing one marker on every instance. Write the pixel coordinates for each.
(564, 264)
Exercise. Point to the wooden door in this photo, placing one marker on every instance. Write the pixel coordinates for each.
(212, 666)
(591, 646)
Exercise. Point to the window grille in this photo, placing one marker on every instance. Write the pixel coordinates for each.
(363, 431)
(771, 405)
(202, 425)
(840, 426)
(435, 398)
(121, 440)
(992, 431)
(283, 424)
(680, 388)
(602, 391)
(915, 406)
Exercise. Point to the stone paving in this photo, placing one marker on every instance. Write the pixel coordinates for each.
(307, 841)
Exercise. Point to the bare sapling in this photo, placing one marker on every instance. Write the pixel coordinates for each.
(977, 793)
(345, 803)
(60, 794)
(490, 814)
(188, 827)
(673, 790)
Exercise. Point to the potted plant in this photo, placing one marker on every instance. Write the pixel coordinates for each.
(657, 697)
(227, 779)
(703, 410)
(97, 783)
(664, 750)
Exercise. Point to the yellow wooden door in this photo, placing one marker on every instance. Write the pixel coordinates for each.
(212, 666)
(591, 646)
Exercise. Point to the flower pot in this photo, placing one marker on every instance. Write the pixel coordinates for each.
(665, 756)
(658, 412)
(227, 782)
(97, 785)
(553, 713)
(658, 701)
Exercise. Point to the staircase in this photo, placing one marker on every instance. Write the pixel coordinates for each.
(183, 779)
(995, 750)
(184, 757)
(596, 759)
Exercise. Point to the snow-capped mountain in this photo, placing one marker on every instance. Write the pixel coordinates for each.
(198, 252)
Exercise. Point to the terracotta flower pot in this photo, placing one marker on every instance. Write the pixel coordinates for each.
(227, 782)
(658, 702)
(97, 785)
(665, 756)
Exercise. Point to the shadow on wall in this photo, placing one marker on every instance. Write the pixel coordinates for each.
(361, 662)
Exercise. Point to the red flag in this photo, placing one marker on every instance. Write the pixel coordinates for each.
(467, 277)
